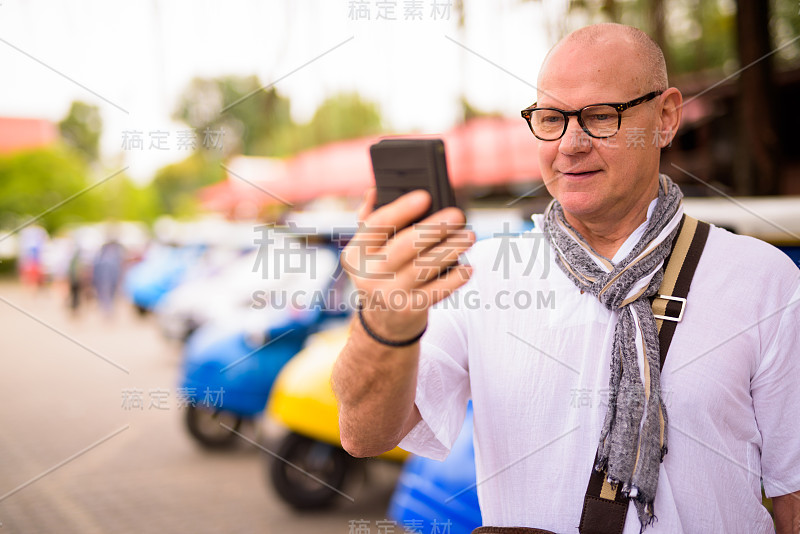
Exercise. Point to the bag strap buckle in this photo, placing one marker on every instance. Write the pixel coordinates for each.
(670, 317)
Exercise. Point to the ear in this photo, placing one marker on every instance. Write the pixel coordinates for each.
(670, 117)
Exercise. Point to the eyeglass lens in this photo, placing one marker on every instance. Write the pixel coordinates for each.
(600, 121)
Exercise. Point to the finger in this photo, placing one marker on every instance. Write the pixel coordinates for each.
(457, 213)
(410, 242)
(380, 225)
(431, 230)
(402, 211)
(367, 203)
(412, 301)
(440, 288)
(433, 262)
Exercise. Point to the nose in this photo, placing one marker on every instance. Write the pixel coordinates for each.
(574, 140)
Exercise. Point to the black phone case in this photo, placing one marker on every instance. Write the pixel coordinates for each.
(403, 165)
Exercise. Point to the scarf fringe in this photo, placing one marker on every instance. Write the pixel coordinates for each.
(645, 507)
(646, 512)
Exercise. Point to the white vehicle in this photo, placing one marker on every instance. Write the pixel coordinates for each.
(772, 219)
(286, 275)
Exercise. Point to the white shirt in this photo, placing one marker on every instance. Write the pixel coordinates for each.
(533, 354)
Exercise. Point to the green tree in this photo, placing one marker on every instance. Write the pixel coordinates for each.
(251, 118)
(123, 200)
(175, 185)
(784, 25)
(81, 129)
(256, 122)
(696, 35)
(54, 183)
(470, 112)
(340, 117)
(702, 36)
(34, 181)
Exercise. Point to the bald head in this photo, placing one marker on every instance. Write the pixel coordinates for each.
(647, 56)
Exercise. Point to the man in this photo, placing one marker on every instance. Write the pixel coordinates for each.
(720, 413)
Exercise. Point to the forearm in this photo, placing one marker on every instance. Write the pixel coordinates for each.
(375, 386)
(787, 513)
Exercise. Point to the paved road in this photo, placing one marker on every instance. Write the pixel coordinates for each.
(75, 458)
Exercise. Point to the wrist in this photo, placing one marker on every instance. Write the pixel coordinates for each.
(378, 338)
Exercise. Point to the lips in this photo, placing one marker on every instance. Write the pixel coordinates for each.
(579, 175)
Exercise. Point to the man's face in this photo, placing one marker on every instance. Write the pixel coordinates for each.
(593, 178)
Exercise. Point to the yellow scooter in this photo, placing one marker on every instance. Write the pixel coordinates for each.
(311, 466)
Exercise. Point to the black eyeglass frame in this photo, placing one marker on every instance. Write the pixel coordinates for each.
(620, 107)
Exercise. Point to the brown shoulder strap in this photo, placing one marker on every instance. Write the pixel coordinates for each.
(670, 303)
(604, 506)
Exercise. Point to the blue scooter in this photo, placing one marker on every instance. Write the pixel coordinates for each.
(229, 368)
(431, 494)
(161, 270)
(228, 374)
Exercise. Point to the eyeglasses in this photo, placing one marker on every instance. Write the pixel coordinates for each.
(597, 120)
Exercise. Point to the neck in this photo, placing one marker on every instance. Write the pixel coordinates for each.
(606, 233)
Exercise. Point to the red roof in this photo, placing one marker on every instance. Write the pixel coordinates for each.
(18, 133)
(482, 152)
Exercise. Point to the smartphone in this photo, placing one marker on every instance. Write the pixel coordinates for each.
(403, 165)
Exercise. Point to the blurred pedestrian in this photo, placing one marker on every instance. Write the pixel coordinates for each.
(32, 241)
(78, 275)
(106, 274)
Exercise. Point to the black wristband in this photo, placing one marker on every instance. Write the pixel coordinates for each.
(384, 341)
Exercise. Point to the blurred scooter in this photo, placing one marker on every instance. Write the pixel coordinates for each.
(431, 493)
(230, 364)
(228, 374)
(311, 467)
(160, 271)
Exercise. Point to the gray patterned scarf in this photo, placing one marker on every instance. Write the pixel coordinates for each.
(633, 440)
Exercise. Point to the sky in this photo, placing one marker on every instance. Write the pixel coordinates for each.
(134, 58)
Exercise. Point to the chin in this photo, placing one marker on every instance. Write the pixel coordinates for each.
(579, 203)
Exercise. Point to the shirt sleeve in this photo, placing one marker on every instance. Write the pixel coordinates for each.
(776, 400)
(443, 388)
